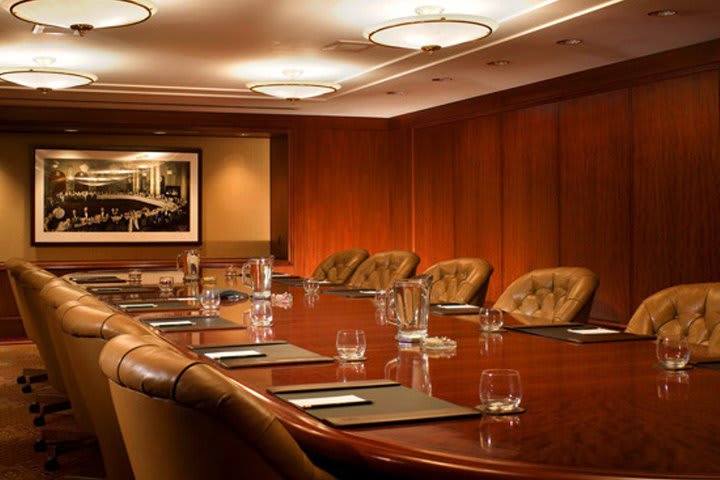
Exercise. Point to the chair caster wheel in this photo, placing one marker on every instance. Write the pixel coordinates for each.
(26, 389)
(52, 464)
(39, 421)
(34, 407)
(21, 380)
(40, 446)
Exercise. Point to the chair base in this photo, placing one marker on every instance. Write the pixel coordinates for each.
(63, 437)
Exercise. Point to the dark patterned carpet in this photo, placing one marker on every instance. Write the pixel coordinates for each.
(18, 461)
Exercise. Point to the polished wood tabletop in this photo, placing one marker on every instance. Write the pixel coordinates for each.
(593, 410)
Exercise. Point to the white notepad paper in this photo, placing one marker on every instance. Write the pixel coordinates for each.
(234, 354)
(172, 323)
(138, 305)
(592, 331)
(457, 307)
(369, 291)
(327, 401)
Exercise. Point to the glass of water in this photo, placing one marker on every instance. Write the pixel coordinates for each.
(210, 300)
(135, 277)
(261, 313)
(351, 345)
(673, 351)
(490, 320)
(311, 286)
(500, 390)
(166, 284)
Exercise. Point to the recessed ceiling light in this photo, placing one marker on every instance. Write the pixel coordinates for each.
(71, 130)
(44, 78)
(499, 63)
(293, 88)
(430, 30)
(81, 15)
(442, 79)
(666, 12)
(160, 132)
(570, 41)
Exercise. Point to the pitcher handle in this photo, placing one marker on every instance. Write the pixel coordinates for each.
(244, 275)
(389, 367)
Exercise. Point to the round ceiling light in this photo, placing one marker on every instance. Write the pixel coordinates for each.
(81, 15)
(293, 89)
(44, 78)
(430, 30)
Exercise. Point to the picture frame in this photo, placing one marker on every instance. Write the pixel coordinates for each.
(116, 196)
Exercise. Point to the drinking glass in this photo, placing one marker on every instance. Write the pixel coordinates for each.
(166, 284)
(490, 320)
(412, 306)
(500, 390)
(673, 351)
(135, 277)
(311, 286)
(261, 313)
(210, 299)
(351, 345)
(380, 299)
(257, 274)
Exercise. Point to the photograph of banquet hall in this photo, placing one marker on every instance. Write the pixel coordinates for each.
(360, 239)
(121, 192)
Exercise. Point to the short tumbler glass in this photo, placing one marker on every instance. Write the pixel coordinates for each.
(673, 352)
(351, 345)
(311, 286)
(490, 320)
(500, 390)
(261, 313)
(166, 284)
(135, 277)
(210, 299)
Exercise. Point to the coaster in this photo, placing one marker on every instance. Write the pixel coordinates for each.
(515, 411)
(342, 360)
(686, 367)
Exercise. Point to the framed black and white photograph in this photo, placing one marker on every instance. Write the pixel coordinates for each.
(108, 196)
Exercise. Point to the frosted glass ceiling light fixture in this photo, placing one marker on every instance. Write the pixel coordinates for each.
(45, 78)
(430, 30)
(293, 88)
(81, 15)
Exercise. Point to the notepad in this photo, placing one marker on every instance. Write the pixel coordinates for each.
(172, 323)
(234, 354)
(137, 305)
(325, 281)
(456, 307)
(280, 274)
(373, 292)
(108, 289)
(592, 331)
(328, 401)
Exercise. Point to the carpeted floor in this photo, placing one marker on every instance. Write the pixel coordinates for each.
(18, 461)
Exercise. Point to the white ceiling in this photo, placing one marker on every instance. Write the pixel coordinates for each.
(199, 54)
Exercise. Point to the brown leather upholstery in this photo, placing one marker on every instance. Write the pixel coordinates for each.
(382, 269)
(684, 309)
(16, 267)
(182, 419)
(86, 329)
(338, 267)
(551, 295)
(462, 280)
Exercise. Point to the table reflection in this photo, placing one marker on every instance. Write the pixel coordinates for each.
(351, 371)
(673, 385)
(500, 435)
(491, 344)
(411, 368)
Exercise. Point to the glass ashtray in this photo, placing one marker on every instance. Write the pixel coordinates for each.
(439, 344)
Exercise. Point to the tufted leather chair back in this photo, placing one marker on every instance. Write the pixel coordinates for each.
(183, 419)
(692, 309)
(338, 267)
(86, 329)
(16, 267)
(551, 295)
(382, 269)
(462, 280)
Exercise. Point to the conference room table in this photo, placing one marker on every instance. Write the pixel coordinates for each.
(593, 411)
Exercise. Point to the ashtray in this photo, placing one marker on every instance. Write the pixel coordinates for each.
(350, 360)
(439, 344)
(514, 411)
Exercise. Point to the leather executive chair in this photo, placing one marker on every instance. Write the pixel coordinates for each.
(692, 309)
(86, 330)
(338, 267)
(183, 419)
(461, 280)
(550, 295)
(379, 271)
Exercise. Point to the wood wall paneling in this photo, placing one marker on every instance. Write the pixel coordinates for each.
(478, 194)
(676, 183)
(434, 197)
(530, 191)
(595, 174)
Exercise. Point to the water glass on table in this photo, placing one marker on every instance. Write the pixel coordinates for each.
(491, 320)
(166, 284)
(210, 300)
(261, 313)
(351, 345)
(673, 351)
(311, 286)
(500, 391)
(134, 277)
